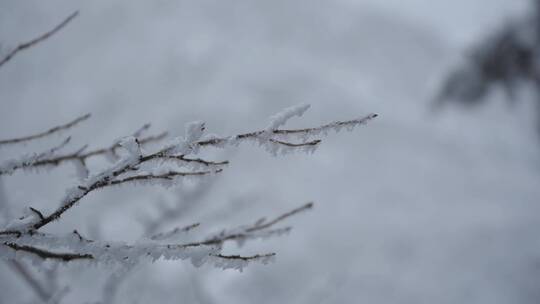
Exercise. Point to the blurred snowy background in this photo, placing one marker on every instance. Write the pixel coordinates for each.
(420, 206)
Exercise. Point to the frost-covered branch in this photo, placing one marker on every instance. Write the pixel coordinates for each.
(175, 231)
(173, 161)
(258, 230)
(179, 148)
(80, 157)
(33, 42)
(302, 134)
(200, 252)
(50, 131)
(27, 161)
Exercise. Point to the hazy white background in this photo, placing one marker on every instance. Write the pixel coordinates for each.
(420, 206)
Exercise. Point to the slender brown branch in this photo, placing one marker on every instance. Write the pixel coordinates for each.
(244, 258)
(66, 257)
(167, 176)
(264, 225)
(82, 157)
(256, 134)
(46, 133)
(37, 212)
(17, 233)
(45, 254)
(165, 235)
(197, 160)
(31, 43)
(309, 143)
(332, 125)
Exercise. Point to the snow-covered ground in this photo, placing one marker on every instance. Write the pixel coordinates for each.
(420, 206)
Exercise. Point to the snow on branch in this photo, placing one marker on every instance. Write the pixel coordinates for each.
(80, 156)
(175, 231)
(258, 230)
(283, 137)
(33, 42)
(44, 254)
(200, 252)
(27, 161)
(166, 166)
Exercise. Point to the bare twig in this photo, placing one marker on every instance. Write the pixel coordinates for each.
(244, 258)
(246, 231)
(196, 160)
(31, 43)
(46, 133)
(37, 212)
(263, 225)
(309, 143)
(168, 234)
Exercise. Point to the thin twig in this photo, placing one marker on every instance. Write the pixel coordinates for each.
(167, 176)
(304, 144)
(168, 234)
(197, 160)
(46, 133)
(31, 43)
(263, 225)
(244, 258)
(238, 235)
(256, 134)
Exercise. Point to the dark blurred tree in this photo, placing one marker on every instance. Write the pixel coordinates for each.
(507, 58)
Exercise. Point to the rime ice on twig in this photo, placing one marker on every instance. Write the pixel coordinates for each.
(174, 160)
(28, 161)
(281, 118)
(171, 233)
(280, 141)
(45, 133)
(257, 230)
(31, 43)
(79, 157)
(201, 252)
